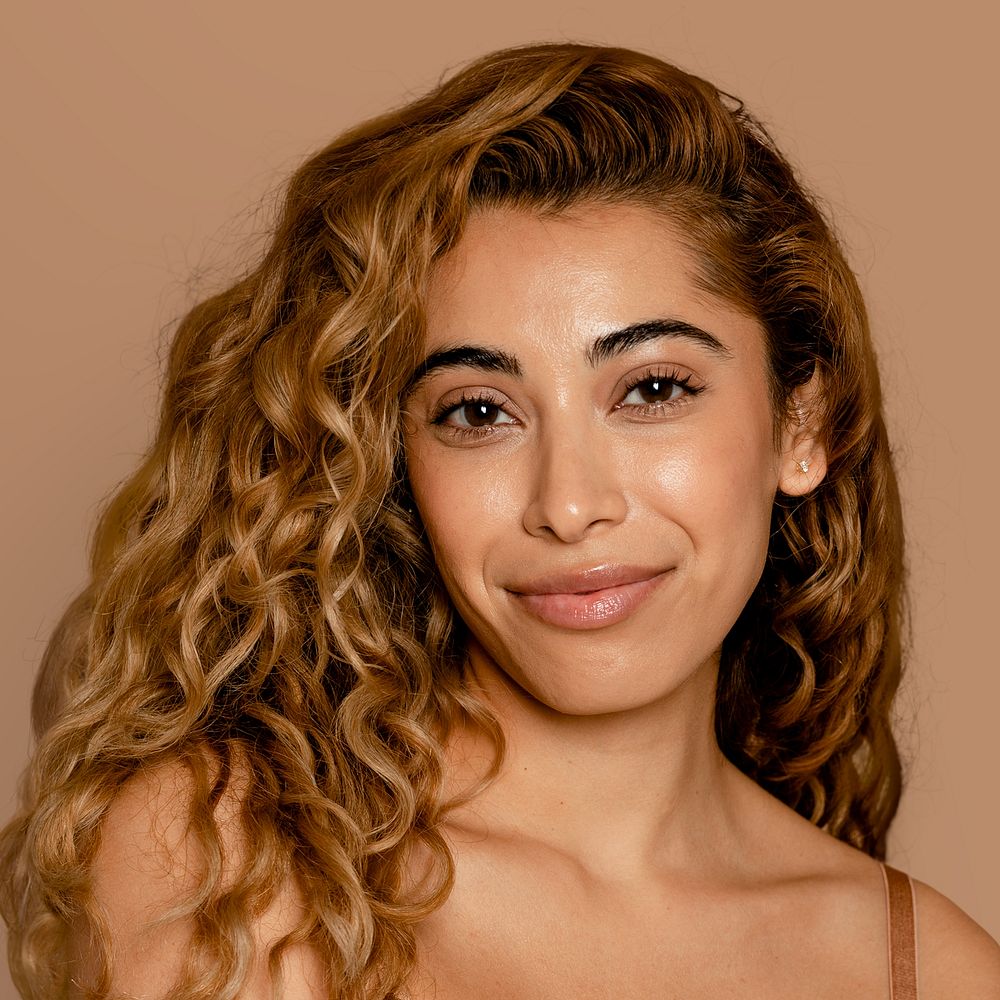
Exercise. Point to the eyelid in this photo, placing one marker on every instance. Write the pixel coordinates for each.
(665, 371)
(469, 394)
(690, 383)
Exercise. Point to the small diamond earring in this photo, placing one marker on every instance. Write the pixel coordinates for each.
(804, 465)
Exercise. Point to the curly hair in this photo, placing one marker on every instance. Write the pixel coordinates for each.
(261, 597)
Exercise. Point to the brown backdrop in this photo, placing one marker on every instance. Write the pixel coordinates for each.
(140, 139)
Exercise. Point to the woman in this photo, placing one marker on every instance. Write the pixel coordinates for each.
(509, 604)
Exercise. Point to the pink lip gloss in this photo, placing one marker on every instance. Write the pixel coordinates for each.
(592, 610)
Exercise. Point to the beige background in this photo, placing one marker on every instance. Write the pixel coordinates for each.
(140, 140)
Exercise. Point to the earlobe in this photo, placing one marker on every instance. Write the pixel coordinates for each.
(803, 458)
(800, 476)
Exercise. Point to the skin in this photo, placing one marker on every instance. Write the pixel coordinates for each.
(618, 854)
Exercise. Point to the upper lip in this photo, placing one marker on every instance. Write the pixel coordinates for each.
(585, 580)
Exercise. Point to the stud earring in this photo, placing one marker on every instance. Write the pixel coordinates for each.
(804, 465)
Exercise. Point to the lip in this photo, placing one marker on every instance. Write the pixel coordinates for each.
(589, 598)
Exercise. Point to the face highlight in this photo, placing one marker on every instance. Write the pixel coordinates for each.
(590, 446)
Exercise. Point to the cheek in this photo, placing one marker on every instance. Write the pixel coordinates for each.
(462, 509)
(719, 486)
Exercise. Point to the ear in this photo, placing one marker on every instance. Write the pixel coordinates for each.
(802, 462)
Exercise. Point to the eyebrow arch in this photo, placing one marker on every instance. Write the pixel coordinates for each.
(604, 348)
(617, 342)
(484, 358)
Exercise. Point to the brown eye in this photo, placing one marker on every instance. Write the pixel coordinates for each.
(476, 413)
(651, 391)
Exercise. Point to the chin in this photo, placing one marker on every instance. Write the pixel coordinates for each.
(591, 704)
(591, 689)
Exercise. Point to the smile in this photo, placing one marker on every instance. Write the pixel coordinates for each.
(591, 599)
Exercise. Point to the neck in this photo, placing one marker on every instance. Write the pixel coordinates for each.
(618, 791)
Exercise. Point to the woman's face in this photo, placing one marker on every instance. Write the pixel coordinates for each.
(591, 448)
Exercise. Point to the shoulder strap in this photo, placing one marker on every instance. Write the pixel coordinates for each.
(901, 923)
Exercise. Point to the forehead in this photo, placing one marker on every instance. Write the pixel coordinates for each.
(519, 276)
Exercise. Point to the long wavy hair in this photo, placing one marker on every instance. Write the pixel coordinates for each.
(261, 595)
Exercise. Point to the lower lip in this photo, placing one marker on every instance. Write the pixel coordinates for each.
(597, 609)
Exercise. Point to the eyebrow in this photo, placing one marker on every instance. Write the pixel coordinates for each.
(610, 345)
(485, 359)
(604, 348)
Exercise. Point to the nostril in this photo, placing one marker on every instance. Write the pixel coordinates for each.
(572, 521)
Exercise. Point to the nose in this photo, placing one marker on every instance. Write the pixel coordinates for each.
(577, 489)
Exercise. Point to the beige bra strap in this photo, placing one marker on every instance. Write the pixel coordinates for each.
(901, 921)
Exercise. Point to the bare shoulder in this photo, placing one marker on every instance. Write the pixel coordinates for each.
(149, 855)
(148, 877)
(146, 852)
(956, 957)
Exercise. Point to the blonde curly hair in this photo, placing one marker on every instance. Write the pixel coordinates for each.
(263, 598)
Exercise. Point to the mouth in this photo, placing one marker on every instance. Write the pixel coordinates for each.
(588, 599)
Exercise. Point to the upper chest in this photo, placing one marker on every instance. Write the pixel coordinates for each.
(546, 934)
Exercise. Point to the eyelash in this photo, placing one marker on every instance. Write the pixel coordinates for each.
(466, 399)
(670, 376)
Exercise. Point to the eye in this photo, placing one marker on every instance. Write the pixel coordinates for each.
(656, 390)
(653, 391)
(474, 413)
